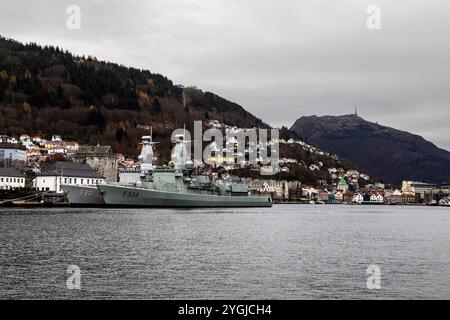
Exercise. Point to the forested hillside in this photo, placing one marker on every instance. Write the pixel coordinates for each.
(46, 91)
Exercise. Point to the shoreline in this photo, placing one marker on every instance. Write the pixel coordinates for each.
(36, 205)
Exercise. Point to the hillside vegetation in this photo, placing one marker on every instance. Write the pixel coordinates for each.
(46, 91)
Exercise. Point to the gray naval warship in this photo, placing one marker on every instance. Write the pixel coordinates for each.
(90, 196)
(83, 196)
(175, 185)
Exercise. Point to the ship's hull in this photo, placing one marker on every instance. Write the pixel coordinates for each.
(140, 197)
(83, 196)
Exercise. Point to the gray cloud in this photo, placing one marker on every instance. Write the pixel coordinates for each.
(279, 59)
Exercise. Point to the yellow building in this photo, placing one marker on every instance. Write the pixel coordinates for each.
(408, 188)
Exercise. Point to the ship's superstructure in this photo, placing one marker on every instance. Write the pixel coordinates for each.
(82, 195)
(146, 158)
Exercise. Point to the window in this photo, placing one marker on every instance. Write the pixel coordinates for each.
(1, 179)
(65, 180)
(75, 180)
(70, 180)
(82, 181)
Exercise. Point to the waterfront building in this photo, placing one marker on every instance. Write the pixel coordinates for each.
(394, 197)
(331, 198)
(376, 198)
(421, 188)
(66, 173)
(324, 196)
(436, 195)
(339, 196)
(358, 198)
(408, 198)
(446, 186)
(284, 189)
(295, 190)
(313, 193)
(10, 178)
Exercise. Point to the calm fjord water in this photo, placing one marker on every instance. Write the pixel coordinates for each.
(284, 252)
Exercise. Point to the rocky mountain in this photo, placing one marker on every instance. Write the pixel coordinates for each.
(385, 152)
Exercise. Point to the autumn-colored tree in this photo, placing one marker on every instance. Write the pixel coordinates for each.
(143, 98)
(13, 80)
(4, 75)
(26, 108)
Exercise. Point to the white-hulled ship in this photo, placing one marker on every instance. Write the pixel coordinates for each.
(175, 185)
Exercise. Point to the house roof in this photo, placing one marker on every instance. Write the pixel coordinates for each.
(70, 169)
(10, 172)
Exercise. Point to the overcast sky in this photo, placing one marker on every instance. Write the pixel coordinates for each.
(279, 59)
